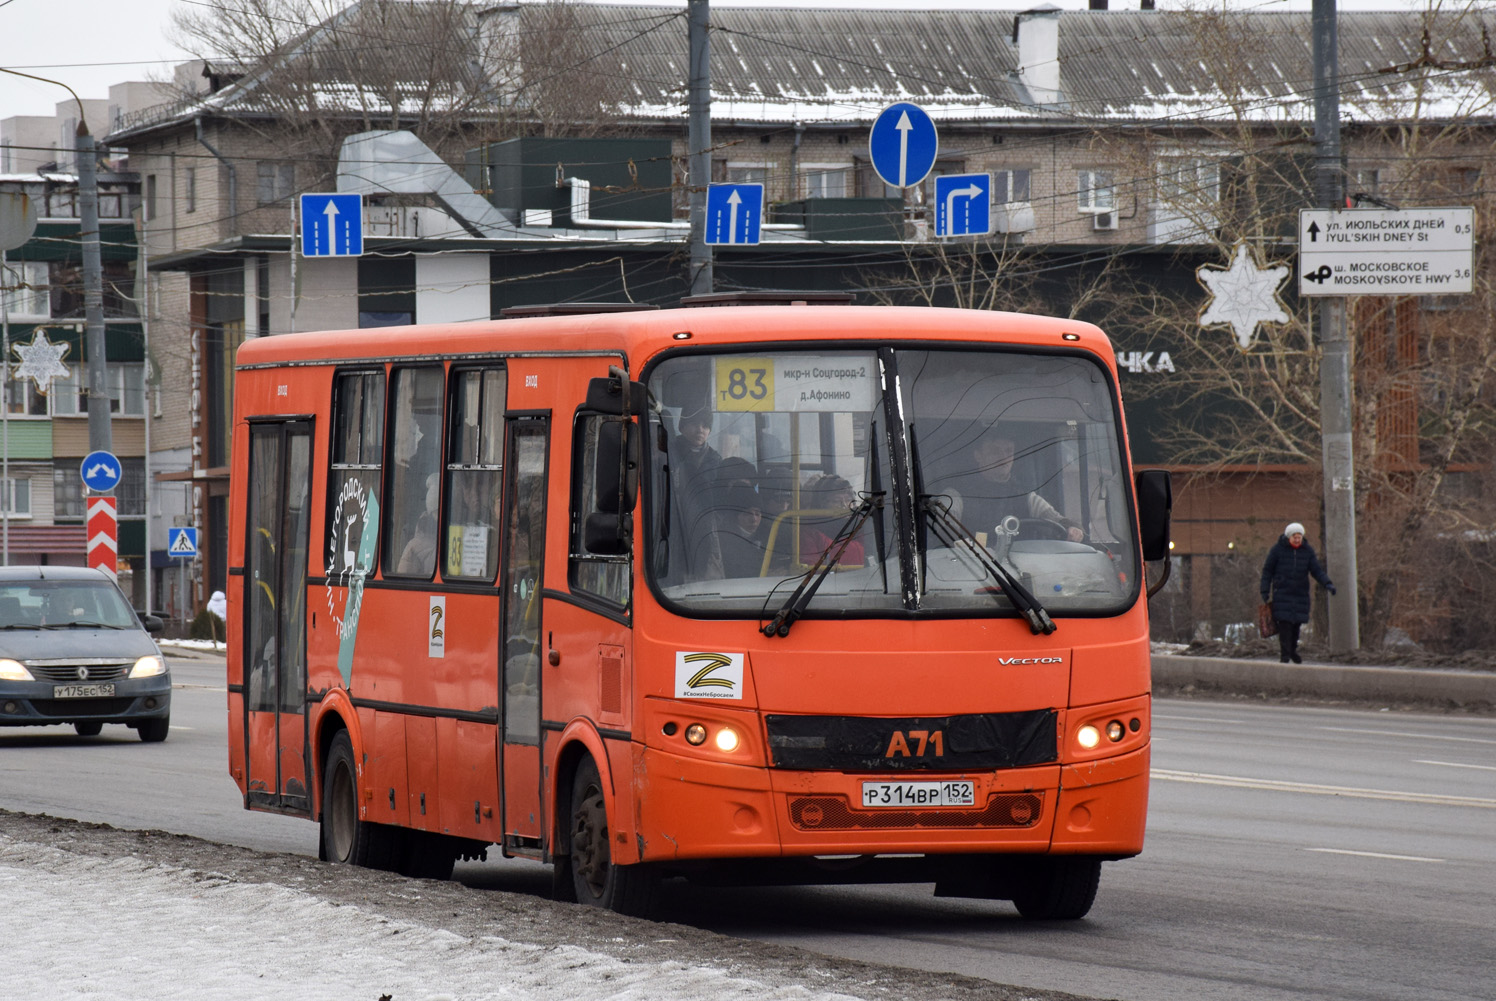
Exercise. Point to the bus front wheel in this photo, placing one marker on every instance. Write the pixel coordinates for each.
(1058, 888)
(627, 889)
(347, 840)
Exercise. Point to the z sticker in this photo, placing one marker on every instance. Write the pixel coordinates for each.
(708, 675)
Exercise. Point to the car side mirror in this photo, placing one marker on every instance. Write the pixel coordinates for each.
(152, 623)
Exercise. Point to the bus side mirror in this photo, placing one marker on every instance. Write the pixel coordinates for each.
(1155, 501)
(615, 395)
(617, 470)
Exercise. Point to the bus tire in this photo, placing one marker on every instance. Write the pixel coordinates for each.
(596, 881)
(347, 840)
(1061, 888)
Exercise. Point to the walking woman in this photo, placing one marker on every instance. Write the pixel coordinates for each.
(1285, 583)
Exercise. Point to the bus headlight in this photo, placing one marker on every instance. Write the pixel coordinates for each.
(727, 739)
(14, 670)
(148, 667)
(1088, 736)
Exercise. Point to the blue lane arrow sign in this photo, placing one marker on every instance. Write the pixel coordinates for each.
(332, 225)
(902, 144)
(963, 205)
(101, 471)
(734, 213)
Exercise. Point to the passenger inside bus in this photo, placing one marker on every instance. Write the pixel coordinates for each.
(419, 554)
(830, 499)
(738, 514)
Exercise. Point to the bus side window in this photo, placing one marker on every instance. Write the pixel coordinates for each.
(604, 575)
(353, 480)
(475, 466)
(413, 495)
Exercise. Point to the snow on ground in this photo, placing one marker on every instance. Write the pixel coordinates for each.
(124, 929)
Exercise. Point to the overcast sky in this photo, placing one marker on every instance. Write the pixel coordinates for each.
(90, 44)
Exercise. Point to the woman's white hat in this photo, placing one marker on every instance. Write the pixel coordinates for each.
(1293, 527)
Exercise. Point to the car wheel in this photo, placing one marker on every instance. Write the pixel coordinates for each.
(88, 729)
(627, 889)
(347, 840)
(153, 731)
(1058, 889)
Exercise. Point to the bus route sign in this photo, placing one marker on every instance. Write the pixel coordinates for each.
(1428, 251)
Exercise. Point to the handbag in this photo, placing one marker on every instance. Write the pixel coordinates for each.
(1266, 624)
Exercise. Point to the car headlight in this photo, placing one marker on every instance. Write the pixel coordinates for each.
(148, 667)
(14, 670)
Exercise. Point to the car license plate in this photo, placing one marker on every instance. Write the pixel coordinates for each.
(907, 794)
(97, 691)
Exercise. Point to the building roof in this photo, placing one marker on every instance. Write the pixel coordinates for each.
(780, 66)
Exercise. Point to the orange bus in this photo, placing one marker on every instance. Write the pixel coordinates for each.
(789, 593)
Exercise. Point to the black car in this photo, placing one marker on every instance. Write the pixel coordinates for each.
(72, 650)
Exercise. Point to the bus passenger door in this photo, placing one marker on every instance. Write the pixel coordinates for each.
(520, 636)
(275, 566)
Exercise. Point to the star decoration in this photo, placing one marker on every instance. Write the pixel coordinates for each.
(1243, 295)
(41, 360)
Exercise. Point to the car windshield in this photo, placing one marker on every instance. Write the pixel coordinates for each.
(770, 463)
(61, 604)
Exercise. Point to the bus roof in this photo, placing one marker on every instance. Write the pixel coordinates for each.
(639, 335)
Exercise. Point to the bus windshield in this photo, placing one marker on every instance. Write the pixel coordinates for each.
(883, 467)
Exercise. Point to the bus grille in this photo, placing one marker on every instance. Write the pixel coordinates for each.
(831, 813)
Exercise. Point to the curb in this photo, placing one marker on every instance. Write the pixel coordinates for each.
(1339, 681)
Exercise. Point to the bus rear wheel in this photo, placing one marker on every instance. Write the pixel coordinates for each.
(1057, 889)
(627, 889)
(347, 840)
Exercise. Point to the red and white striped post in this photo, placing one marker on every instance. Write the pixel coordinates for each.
(103, 535)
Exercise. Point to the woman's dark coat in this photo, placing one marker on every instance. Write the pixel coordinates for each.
(1287, 572)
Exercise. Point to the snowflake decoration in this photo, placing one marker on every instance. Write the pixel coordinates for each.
(1243, 295)
(41, 360)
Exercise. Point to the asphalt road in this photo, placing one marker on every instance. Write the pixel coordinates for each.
(1292, 853)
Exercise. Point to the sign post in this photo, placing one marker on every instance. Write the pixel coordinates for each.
(1386, 251)
(181, 544)
(101, 472)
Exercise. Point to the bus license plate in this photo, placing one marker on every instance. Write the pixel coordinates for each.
(907, 794)
(99, 691)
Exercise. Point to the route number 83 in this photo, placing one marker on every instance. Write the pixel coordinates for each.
(745, 384)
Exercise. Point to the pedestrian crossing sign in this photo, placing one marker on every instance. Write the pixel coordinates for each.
(181, 542)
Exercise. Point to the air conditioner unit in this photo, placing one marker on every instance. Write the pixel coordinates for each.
(1104, 221)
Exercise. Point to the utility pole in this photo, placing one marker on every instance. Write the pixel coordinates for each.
(699, 139)
(100, 433)
(1337, 457)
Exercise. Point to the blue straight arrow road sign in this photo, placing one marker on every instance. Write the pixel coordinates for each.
(963, 205)
(902, 144)
(332, 225)
(734, 213)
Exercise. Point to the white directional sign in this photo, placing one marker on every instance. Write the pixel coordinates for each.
(963, 205)
(181, 543)
(1386, 251)
(733, 213)
(902, 144)
(332, 225)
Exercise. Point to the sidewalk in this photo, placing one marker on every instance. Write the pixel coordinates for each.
(1246, 676)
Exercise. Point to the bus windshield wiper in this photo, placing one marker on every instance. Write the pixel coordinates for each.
(795, 605)
(951, 531)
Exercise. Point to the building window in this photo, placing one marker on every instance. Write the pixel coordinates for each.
(15, 495)
(189, 189)
(827, 180)
(67, 491)
(125, 382)
(23, 400)
(150, 197)
(1095, 191)
(26, 287)
(941, 168)
(1189, 180)
(274, 181)
(1010, 186)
